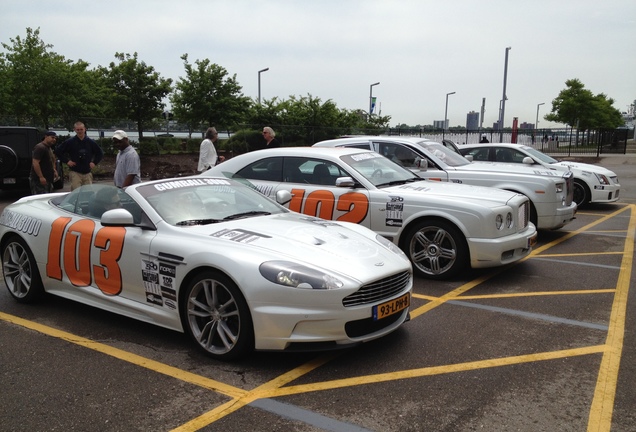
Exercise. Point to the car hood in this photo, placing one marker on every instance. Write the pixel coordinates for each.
(508, 168)
(585, 167)
(342, 247)
(480, 195)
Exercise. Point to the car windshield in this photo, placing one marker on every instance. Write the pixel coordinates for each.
(539, 155)
(379, 170)
(203, 201)
(443, 153)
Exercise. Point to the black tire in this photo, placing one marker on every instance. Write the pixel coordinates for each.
(581, 194)
(215, 315)
(437, 249)
(21, 275)
(8, 160)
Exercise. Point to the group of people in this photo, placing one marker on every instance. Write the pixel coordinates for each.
(207, 151)
(81, 154)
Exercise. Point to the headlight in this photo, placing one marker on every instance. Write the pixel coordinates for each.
(499, 221)
(602, 179)
(560, 187)
(298, 276)
(509, 220)
(390, 246)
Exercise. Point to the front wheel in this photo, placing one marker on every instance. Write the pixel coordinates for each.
(436, 249)
(216, 316)
(21, 275)
(580, 195)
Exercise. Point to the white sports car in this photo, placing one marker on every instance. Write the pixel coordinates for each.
(442, 227)
(212, 258)
(592, 183)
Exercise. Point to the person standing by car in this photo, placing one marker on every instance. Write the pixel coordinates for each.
(270, 138)
(127, 165)
(81, 154)
(207, 152)
(43, 172)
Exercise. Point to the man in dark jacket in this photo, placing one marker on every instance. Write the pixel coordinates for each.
(81, 154)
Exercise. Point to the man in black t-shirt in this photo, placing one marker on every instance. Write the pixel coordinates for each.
(43, 171)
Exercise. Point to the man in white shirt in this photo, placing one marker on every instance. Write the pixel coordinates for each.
(127, 165)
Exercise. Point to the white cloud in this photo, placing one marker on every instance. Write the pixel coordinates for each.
(417, 50)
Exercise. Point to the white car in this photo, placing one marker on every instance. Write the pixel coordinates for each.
(442, 227)
(212, 258)
(550, 192)
(592, 183)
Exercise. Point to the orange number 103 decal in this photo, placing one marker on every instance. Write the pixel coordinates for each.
(70, 249)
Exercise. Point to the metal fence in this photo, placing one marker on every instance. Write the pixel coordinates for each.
(556, 142)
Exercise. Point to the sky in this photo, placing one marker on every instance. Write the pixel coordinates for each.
(419, 50)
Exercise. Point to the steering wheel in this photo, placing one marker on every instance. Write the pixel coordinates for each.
(377, 173)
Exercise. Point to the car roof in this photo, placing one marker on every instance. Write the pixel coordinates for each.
(304, 151)
(508, 145)
(361, 138)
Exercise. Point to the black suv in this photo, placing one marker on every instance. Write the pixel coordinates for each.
(16, 147)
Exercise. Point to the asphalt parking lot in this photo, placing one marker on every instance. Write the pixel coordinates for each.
(546, 344)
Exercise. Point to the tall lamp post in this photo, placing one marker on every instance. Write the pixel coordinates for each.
(446, 111)
(503, 98)
(259, 83)
(536, 124)
(371, 97)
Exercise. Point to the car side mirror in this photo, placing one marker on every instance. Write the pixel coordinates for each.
(528, 160)
(283, 197)
(117, 217)
(345, 182)
(421, 163)
(469, 158)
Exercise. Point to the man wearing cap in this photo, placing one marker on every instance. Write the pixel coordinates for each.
(81, 154)
(43, 171)
(127, 165)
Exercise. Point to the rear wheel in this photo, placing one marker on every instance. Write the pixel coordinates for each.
(436, 248)
(216, 316)
(21, 273)
(8, 160)
(581, 194)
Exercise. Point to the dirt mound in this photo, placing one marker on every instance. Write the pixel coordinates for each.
(154, 167)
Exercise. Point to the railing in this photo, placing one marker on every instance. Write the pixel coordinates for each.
(561, 142)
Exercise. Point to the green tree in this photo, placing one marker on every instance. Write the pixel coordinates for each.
(208, 96)
(137, 90)
(578, 107)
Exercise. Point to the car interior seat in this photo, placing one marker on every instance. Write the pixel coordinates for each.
(504, 156)
(321, 175)
(292, 174)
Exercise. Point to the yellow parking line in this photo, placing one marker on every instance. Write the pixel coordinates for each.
(533, 294)
(153, 365)
(249, 397)
(600, 419)
(429, 371)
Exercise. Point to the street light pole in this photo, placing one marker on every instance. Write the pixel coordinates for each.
(504, 98)
(259, 83)
(371, 97)
(446, 111)
(536, 124)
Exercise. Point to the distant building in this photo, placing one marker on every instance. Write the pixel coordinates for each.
(440, 124)
(472, 120)
(525, 125)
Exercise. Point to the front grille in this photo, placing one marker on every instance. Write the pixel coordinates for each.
(524, 214)
(378, 290)
(569, 184)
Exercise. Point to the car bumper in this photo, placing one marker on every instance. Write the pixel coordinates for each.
(605, 194)
(306, 328)
(555, 221)
(501, 251)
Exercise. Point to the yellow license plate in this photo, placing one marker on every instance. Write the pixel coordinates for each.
(391, 307)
